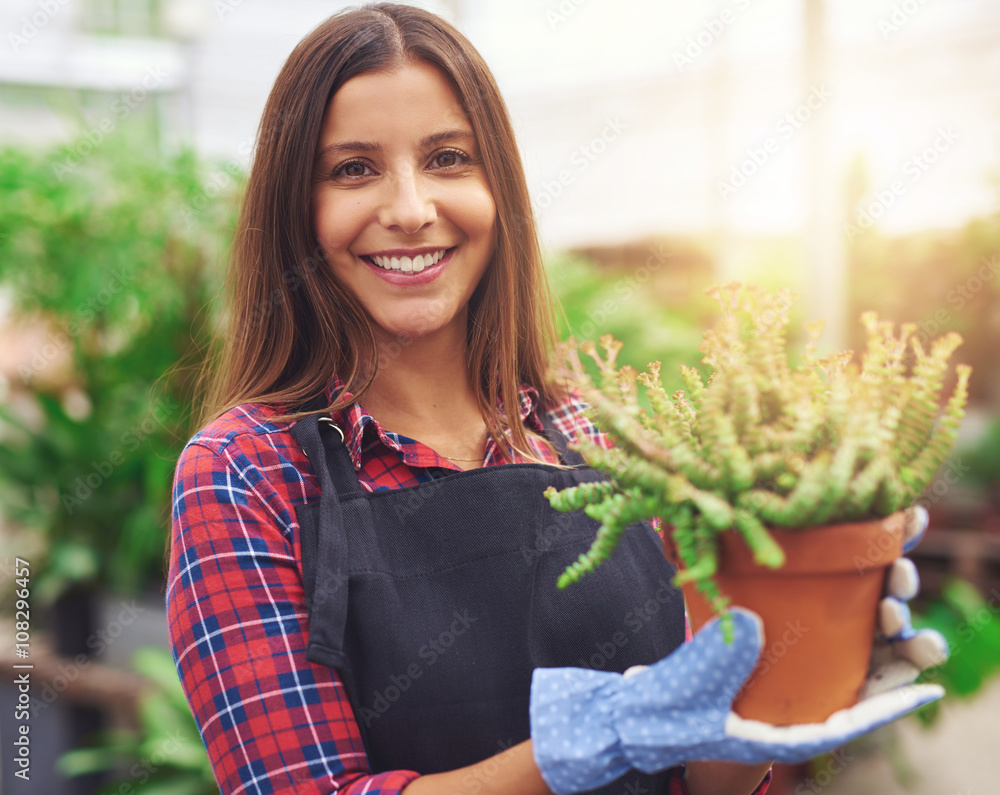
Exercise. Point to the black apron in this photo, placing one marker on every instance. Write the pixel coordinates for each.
(436, 602)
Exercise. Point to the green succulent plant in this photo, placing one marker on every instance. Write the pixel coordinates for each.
(762, 442)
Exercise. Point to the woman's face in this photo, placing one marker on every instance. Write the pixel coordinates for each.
(401, 205)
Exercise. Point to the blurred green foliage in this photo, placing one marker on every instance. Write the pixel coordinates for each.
(633, 301)
(166, 755)
(109, 267)
(941, 280)
(970, 622)
(983, 461)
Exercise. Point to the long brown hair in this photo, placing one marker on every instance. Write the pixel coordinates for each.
(291, 325)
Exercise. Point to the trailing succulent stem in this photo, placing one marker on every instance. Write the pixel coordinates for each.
(761, 443)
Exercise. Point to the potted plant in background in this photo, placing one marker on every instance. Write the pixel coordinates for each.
(778, 486)
(106, 268)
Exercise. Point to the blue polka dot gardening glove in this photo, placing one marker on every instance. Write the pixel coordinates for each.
(590, 727)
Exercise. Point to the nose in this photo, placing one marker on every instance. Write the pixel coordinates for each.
(407, 204)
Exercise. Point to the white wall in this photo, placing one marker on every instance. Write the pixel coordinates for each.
(601, 98)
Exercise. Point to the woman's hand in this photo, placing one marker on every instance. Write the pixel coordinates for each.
(900, 652)
(589, 727)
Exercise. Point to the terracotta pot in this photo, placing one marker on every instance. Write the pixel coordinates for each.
(818, 610)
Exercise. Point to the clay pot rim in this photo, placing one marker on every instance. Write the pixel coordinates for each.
(818, 549)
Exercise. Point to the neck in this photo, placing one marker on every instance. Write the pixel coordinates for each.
(423, 390)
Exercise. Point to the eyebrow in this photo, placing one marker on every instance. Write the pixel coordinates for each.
(370, 146)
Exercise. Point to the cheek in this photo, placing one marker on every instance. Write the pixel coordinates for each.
(479, 215)
(335, 223)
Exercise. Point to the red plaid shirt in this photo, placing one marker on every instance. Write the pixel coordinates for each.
(272, 721)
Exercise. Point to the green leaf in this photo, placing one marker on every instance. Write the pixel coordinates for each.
(118, 748)
(113, 259)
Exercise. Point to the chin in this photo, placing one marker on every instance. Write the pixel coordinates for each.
(414, 327)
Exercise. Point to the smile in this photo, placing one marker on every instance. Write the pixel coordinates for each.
(406, 264)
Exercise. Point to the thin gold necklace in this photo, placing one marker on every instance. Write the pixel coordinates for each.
(452, 458)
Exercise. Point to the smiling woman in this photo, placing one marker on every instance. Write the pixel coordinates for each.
(350, 611)
(401, 204)
(369, 146)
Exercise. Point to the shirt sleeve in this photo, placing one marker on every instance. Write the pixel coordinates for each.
(763, 786)
(272, 722)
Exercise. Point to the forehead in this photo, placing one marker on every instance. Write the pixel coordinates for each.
(413, 97)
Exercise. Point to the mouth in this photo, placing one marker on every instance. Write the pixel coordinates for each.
(415, 263)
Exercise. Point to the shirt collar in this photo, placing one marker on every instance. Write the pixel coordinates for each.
(355, 422)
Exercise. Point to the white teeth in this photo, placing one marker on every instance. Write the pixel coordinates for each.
(409, 264)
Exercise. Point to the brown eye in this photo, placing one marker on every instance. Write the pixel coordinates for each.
(450, 158)
(352, 169)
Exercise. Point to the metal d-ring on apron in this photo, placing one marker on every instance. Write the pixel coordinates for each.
(436, 602)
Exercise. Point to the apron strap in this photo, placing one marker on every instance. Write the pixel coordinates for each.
(559, 441)
(330, 591)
